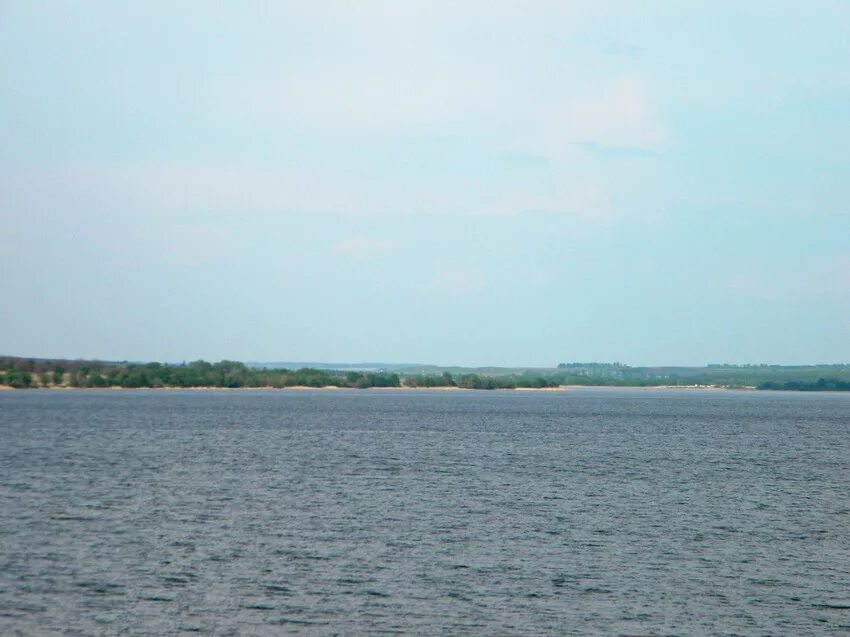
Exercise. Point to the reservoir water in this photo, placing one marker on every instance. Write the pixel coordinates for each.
(586, 512)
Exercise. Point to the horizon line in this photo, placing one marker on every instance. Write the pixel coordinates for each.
(378, 364)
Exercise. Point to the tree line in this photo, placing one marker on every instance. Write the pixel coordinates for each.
(478, 381)
(821, 384)
(22, 373)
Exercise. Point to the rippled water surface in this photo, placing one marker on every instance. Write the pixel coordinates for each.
(592, 512)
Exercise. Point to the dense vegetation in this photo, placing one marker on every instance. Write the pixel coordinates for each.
(228, 374)
(477, 381)
(24, 373)
(822, 384)
(803, 377)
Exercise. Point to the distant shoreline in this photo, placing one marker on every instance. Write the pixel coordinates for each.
(705, 387)
(441, 388)
(561, 388)
(34, 373)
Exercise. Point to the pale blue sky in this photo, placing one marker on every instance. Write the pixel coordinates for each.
(457, 183)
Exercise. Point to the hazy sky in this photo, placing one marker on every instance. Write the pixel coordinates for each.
(450, 182)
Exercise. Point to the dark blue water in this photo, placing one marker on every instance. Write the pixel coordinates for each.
(378, 512)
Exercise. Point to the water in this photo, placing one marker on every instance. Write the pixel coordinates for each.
(571, 513)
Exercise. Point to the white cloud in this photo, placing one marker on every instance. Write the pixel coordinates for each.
(168, 189)
(619, 115)
(582, 198)
(815, 277)
(496, 79)
(363, 247)
(458, 279)
(345, 81)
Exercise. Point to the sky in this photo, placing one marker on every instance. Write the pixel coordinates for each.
(471, 183)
